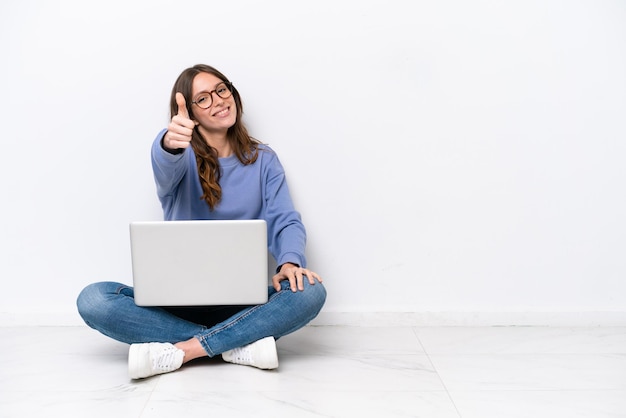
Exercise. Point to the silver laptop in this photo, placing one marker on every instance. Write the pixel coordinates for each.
(199, 263)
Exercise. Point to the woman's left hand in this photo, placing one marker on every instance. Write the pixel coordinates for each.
(295, 275)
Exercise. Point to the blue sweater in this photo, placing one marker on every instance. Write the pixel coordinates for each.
(256, 191)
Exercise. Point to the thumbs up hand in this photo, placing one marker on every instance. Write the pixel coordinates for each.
(179, 130)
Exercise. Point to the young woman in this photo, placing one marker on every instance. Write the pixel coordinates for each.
(206, 166)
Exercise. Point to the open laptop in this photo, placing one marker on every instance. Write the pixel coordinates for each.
(199, 263)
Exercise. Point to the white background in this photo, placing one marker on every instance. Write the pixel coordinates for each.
(446, 156)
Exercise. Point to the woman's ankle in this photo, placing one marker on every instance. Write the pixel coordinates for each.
(192, 348)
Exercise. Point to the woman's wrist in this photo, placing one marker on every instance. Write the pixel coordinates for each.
(287, 264)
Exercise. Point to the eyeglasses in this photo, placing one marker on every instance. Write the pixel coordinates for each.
(205, 100)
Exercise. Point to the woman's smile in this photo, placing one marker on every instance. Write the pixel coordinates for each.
(222, 113)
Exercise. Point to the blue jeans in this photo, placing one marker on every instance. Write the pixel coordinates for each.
(110, 308)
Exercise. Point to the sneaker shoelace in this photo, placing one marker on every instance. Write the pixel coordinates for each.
(242, 354)
(165, 360)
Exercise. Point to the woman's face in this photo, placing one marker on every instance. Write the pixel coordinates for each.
(221, 115)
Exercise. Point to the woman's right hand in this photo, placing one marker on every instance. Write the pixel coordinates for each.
(179, 130)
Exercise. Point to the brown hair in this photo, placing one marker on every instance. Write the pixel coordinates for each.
(244, 146)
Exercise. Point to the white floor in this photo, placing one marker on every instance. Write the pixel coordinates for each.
(485, 372)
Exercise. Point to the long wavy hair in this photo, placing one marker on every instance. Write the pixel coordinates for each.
(244, 146)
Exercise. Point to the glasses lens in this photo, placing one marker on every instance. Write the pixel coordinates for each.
(223, 90)
(204, 101)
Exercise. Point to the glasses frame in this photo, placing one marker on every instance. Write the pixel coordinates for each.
(228, 85)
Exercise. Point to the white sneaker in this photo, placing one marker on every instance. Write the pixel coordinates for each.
(261, 354)
(149, 359)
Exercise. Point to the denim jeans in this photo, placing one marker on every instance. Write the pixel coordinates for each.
(110, 308)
